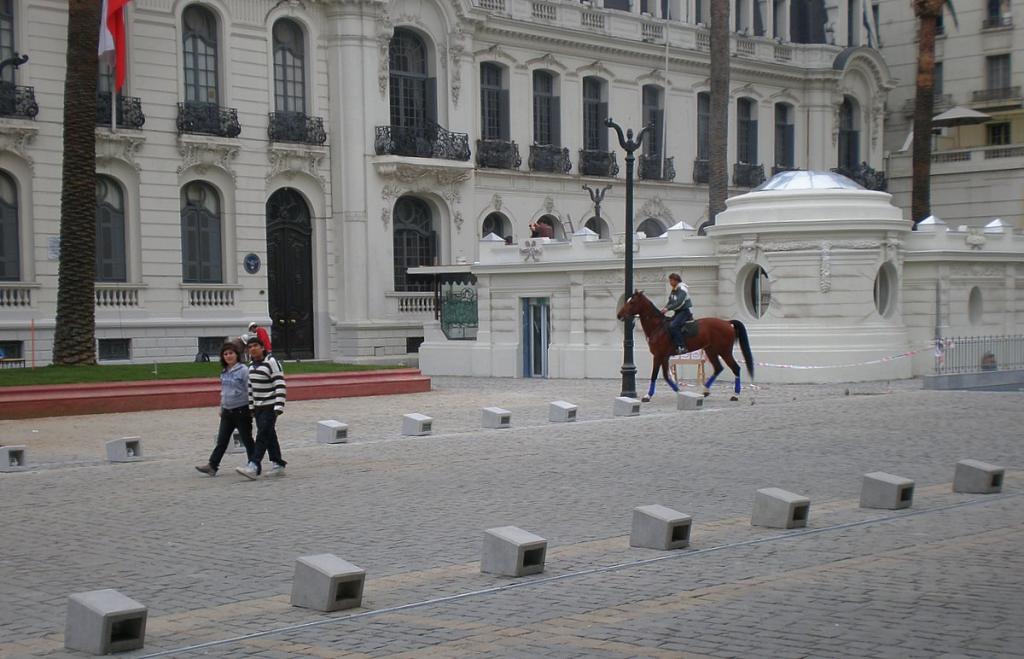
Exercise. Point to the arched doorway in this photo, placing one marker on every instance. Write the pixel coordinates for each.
(290, 274)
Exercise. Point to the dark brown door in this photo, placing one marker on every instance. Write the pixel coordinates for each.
(290, 274)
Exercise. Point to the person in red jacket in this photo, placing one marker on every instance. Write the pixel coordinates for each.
(262, 334)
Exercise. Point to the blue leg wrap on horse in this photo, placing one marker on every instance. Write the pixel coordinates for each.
(650, 392)
(736, 386)
(675, 387)
(711, 381)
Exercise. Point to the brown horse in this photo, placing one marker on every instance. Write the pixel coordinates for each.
(714, 336)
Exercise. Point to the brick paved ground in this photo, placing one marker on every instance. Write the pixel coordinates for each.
(213, 558)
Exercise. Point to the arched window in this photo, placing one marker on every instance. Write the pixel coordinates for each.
(557, 231)
(200, 234)
(849, 135)
(497, 224)
(546, 115)
(784, 137)
(746, 131)
(199, 29)
(595, 112)
(289, 67)
(651, 228)
(111, 264)
(7, 37)
(653, 113)
(703, 126)
(598, 226)
(494, 108)
(10, 244)
(415, 243)
(412, 90)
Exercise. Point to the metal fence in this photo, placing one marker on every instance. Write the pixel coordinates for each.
(976, 354)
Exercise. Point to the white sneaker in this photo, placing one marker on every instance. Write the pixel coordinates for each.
(249, 471)
(277, 470)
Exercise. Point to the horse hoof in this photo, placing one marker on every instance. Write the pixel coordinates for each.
(706, 394)
(734, 397)
(645, 399)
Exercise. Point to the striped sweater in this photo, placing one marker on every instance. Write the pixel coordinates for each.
(266, 384)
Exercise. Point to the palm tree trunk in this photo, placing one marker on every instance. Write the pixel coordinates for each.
(76, 312)
(718, 171)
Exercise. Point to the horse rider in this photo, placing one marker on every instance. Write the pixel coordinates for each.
(680, 305)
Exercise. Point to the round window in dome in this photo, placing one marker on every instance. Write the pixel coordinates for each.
(885, 290)
(755, 291)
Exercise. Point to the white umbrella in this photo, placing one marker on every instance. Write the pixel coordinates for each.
(959, 116)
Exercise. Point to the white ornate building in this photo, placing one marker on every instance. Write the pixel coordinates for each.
(286, 161)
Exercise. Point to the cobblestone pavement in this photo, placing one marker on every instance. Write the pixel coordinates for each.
(213, 557)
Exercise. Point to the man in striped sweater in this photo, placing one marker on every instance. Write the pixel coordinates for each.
(266, 401)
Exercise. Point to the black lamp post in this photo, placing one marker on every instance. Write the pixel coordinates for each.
(630, 145)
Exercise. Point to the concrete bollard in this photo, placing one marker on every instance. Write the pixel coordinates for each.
(625, 406)
(658, 527)
(977, 477)
(560, 411)
(13, 458)
(236, 445)
(327, 583)
(512, 552)
(415, 425)
(104, 621)
(687, 400)
(779, 509)
(496, 417)
(882, 490)
(331, 432)
(125, 449)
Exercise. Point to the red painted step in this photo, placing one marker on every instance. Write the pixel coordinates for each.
(100, 398)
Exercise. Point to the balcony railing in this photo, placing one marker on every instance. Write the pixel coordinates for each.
(940, 103)
(651, 169)
(782, 168)
(15, 294)
(975, 354)
(498, 154)
(117, 295)
(207, 119)
(597, 163)
(208, 295)
(746, 175)
(129, 111)
(992, 22)
(701, 171)
(296, 127)
(548, 158)
(866, 175)
(17, 101)
(427, 141)
(997, 94)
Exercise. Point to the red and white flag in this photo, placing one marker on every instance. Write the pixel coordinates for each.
(112, 38)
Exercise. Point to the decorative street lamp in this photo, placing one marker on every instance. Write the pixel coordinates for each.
(597, 196)
(630, 145)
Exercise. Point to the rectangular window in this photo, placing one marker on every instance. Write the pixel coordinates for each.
(11, 350)
(210, 346)
(595, 133)
(490, 103)
(653, 116)
(937, 85)
(7, 44)
(545, 110)
(999, 134)
(746, 129)
(114, 349)
(784, 147)
(997, 72)
(703, 126)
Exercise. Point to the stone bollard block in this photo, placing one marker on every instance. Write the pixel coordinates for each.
(977, 477)
(560, 411)
(658, 527)
(512, 552)
(331, 432)
(104, 621)
(780, 509)
(327, 583)
(687, 400)
(882, 490)
(625, 406)
(496, 417)
(125, 449)
(236, 445)
(415, 425)
(13, 458)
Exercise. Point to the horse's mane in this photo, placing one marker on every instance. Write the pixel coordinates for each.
(654, 307)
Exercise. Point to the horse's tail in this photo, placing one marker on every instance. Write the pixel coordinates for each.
(741, 335)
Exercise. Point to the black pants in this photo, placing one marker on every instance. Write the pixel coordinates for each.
(266, 437)
(238, 419)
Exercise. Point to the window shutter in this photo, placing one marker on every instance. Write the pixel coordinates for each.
(556, 121)
(503, 117)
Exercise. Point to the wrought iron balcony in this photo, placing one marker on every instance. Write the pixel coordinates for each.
(992, 22)
(207, 119)
(597, 163)
(427, 141)
(701, 171)
(548, 158)
(746, 175)
(17, 101)
(998, 94)
(498, 154)
(296, 127)
(651, 168)
(866, 175)
(129, 111)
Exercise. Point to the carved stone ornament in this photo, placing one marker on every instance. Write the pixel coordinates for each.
(203, 152)
(385, 30)
(531, 249)
(496, 201)
(655, 207)
(877, 113)
(975, 238)
(825, 270)
(457, 218)
(977, 270)
(16, 138)
(385, 217)
(549, 204)
(409, 173)
(835, 124)
(118, 146)
(289, 159)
